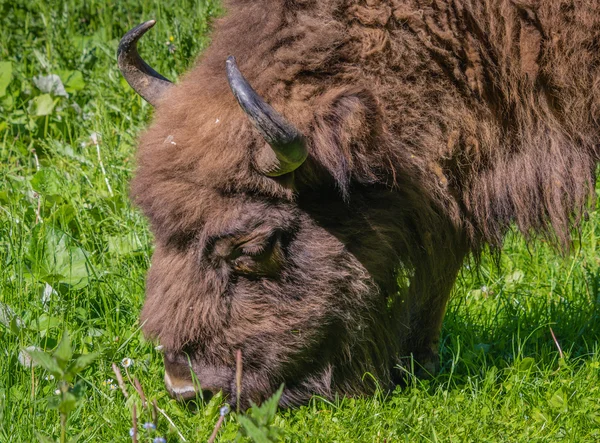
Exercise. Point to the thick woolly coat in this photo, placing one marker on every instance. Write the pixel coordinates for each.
(431, 127)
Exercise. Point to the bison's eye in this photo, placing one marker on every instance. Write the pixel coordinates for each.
(258, 256)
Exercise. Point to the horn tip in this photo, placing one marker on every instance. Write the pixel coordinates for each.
(145, 26)
(130, 39)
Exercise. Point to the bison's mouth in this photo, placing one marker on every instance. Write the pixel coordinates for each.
(182, 386)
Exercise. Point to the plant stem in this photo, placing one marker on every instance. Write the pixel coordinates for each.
(63, 428)
(216, 429)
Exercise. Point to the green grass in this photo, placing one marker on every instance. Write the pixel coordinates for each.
(74, 253)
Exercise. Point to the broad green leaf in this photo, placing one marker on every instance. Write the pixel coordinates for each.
(75, 273)
(538, 415)
(60, 261)
(41, 105)
(15, 325)
(526, 364)
(68, 403)
(6, 76)
(46, 361)
(559, 401)
(81, 362)
(17, 393)
(64, 351)
(124, 245)
(73, 80)
(8, 103)
(46, 182)
(45, 322)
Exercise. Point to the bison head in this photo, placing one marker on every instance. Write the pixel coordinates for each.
(257, 250)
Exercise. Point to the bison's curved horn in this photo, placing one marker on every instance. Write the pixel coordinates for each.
(141, 77)
(287, 143)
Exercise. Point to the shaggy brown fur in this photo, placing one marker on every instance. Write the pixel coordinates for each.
(432, 126)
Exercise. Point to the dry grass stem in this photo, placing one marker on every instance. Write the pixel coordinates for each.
(140, 390)
(560, 352)
(37, 196)
(134, 428)
(97, 145)
(154, 412)
(216, 430)
(120, 381)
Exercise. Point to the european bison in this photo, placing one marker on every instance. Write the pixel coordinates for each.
(313, 207)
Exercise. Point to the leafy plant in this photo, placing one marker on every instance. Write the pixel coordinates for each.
(257, 423)
(63, 365)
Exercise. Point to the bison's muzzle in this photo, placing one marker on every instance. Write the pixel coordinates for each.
(184, 384)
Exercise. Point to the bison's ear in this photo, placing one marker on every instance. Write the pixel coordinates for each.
(347, 124)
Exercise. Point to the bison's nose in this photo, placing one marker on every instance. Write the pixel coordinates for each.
(184, 389)
(184, 384)
(181, 389)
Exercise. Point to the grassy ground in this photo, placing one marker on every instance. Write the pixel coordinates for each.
(73, 255)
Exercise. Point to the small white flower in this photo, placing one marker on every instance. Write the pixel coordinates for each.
(131, 432)
(224, 411)
(159, 440)
(113, 387)
(126, 362)
(150, 426)
(484, 289)
(57, 392)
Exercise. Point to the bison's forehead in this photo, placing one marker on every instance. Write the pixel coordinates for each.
(201, 175)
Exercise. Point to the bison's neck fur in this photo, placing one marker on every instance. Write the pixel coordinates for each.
(507, 132)
(456, 117)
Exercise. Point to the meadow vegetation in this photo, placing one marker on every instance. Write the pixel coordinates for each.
(520, 356)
